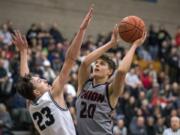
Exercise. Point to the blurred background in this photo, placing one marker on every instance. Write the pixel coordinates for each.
(152, 92)
(68, 14)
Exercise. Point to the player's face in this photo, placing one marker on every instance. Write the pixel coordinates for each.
(40, 84)
(101, 69)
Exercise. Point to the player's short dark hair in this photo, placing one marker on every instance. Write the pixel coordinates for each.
(109, 61)
(25, 87)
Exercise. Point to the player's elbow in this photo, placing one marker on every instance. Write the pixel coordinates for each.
(85, 63)
(70, 58)
(121, 72)
(119, 91)
(120, 77)
(71, 55)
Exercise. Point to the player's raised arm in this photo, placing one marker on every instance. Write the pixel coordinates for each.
(71, 55)
(84, 70)
(22, 45)
(117, 85)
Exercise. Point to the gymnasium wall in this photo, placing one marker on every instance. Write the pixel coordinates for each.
(69, 13)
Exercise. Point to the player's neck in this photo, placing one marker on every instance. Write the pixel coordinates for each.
(35, 100)
(97, 81)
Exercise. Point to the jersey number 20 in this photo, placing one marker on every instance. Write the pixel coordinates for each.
(39, 117)
(87, 111)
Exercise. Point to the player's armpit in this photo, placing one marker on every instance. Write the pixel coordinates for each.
(116, 88)
(83, 75)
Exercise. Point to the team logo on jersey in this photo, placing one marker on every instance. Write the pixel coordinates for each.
(93, 96)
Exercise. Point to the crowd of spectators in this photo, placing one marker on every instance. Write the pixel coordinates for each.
(152, 90)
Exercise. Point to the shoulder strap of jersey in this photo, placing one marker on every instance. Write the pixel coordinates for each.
(108, 95)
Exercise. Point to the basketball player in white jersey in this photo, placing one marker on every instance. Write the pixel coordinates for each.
(48, 109)
(96, 97)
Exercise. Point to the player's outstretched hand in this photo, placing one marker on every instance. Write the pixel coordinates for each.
(87, 19)
(115, 38)
(141, 40)
(20, 41)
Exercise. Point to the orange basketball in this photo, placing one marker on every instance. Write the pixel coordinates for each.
(131, 28)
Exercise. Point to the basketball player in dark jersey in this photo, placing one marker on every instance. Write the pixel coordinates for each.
(96, 97)
(47, 108)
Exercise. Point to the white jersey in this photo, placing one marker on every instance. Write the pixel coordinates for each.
(169, 131)
(49, 118)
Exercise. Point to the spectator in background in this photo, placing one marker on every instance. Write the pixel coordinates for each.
(152, 73)
(100, 39)
(146, 79)
(137, 126)
(175, 89)
(173, 60)
(132, 79)
(13, 63)
(60, 49)
(174, 94)
(116, 131)
(5, 120)
(177, 37)
(10, 26)
(6, 62)
(70, 89)
(163, 35)
(144, 54)
(164, 53)
(153, 93)
(163, 79)
(44, 35)
(133, 82)
(48, 72)
(37, 62)
(129, 108)
(19, 113)
(89, 41)
(175, 127)
(117, 56)
(160, 126)
(152, 42)
(150, 128)
(32, 35)
(142, 101)
(5, 84)
(120, 127)
(56, 34)
(5, 35)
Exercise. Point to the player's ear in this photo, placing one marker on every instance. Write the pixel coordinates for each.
(110, 71)
(36, 92)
